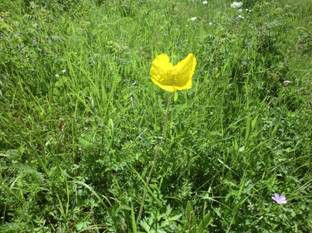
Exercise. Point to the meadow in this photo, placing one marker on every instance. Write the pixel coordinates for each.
(89, 144)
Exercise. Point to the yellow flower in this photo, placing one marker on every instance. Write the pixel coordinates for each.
(173, 77)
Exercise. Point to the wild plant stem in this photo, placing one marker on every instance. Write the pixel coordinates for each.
(167, 123)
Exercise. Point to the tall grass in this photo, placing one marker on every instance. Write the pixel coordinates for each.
(82, 140)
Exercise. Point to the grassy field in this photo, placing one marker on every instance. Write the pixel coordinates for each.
(89, 144)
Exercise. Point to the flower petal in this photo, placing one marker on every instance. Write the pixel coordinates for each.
(183, 72)
(279, 198)
(160, 72)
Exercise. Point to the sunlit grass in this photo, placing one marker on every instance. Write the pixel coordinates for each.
(82, 141)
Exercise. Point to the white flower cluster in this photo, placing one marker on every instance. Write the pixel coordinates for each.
(237, 5)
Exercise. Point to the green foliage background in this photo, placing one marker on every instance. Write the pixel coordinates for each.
(84, 141)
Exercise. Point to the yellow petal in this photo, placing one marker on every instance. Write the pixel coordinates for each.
(160, 72)
(183, 72)
(172, 78)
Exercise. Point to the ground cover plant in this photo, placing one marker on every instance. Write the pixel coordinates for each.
(89, 144)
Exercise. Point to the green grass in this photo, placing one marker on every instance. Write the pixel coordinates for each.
(89, 144)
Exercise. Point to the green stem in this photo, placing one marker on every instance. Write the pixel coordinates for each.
(167, 121)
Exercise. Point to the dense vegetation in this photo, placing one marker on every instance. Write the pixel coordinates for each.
(89, 144)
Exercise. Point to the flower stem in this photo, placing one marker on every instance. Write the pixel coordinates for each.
(167, 121)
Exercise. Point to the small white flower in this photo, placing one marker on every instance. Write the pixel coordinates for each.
(287, 82)
(193, 18)
(57, 75)
(210, 23)
(240, 10)
(240, 17)
(279, 198)
(64, 71)
(237, 5)
(205, 2)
